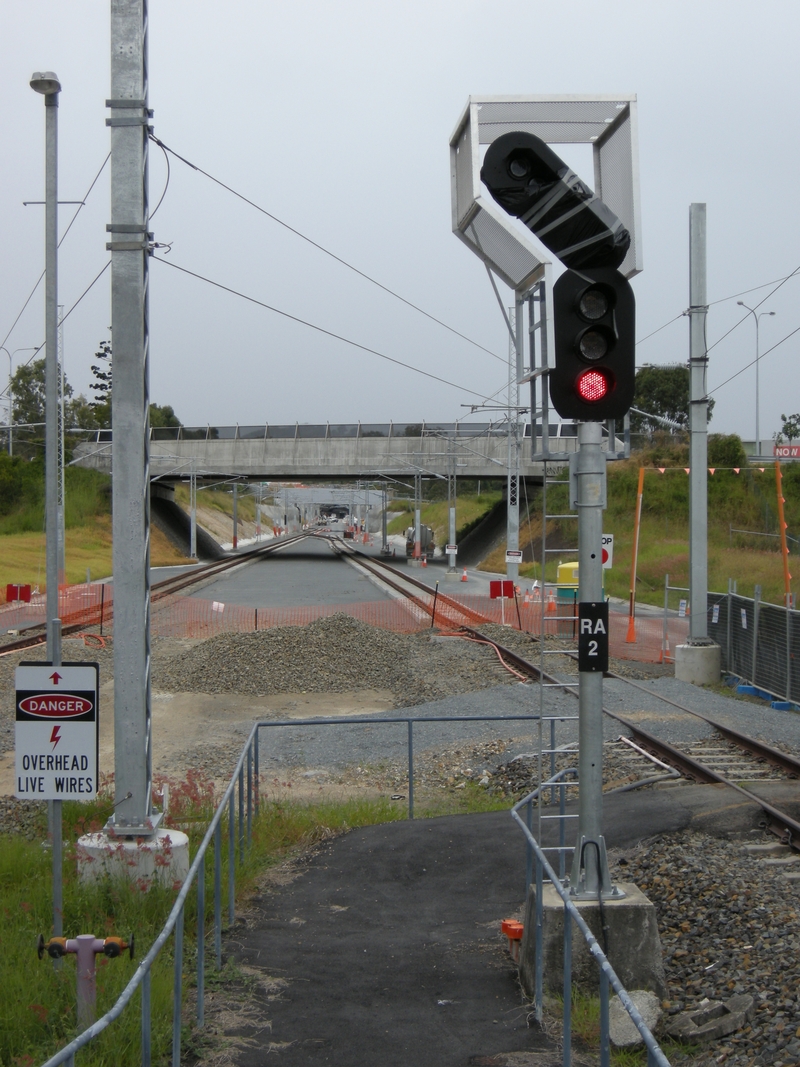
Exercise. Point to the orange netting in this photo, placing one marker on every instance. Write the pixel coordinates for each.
(176, 615)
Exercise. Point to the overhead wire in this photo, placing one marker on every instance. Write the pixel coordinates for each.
(319, 329)
(63, 236)
(298, 233)
(64, 317)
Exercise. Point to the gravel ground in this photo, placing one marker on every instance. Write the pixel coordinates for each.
(728, 925)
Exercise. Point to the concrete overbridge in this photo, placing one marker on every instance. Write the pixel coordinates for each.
(305, 453)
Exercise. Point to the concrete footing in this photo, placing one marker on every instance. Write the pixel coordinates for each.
(634, 947)
(698, 664)
(162, 858)
(452, 576)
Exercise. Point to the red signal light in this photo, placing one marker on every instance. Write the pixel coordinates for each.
(593, 385)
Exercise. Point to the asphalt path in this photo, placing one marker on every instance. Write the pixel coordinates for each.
(385, 948)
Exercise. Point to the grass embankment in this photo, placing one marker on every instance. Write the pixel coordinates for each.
(37, 1009)
(469, 510)
(87, 518)
(219, 500)
(744, 501)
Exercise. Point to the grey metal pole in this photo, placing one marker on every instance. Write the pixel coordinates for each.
(130, 247)
(47, 83)
(698, 429)
(235, 517)
(756, 316)
(193, 513)
(590, 872)
(512, 480)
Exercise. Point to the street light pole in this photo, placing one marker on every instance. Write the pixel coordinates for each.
(758, 316)
(47, 83)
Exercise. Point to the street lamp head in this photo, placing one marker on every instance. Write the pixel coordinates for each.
(45, 82)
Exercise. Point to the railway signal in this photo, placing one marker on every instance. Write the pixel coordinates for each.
(529, 181)
(594, 316)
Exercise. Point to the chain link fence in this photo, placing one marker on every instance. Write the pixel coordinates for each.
(760, 642)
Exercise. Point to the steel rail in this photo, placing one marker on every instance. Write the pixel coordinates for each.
(164, 588)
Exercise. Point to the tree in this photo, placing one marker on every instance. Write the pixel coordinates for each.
(662, 391)
(790, 428)
(27, 388)
(163, 416)
(101, 386)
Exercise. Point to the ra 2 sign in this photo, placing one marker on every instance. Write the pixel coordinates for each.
(593, 636)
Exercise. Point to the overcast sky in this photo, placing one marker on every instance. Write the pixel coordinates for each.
(335, 115)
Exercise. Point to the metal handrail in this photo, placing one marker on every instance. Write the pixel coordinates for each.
(246, 771)
(175, 919)
(608, 976)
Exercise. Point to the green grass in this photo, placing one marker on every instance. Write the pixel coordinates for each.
(37, 1009)
(436, 514)
(745, 501)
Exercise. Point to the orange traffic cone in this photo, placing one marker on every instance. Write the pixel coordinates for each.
(527, 599)
(630, 637)
(551, 603)
(424, 561)
(464, 575)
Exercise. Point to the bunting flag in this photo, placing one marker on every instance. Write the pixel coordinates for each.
(661, 470)
(687, 469)
(737, 469)
(761, 469)
(711, 470)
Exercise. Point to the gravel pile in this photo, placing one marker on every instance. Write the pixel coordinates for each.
(728, 924)
(26, 817)
(334, 654)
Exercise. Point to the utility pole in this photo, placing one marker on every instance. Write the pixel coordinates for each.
(130, 249)
(193, 513)
(512, 479)
(62, 548)
(699, 659)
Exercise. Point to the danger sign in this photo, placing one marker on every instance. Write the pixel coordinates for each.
(56, 733)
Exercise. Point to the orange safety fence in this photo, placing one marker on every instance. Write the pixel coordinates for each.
(178, 615)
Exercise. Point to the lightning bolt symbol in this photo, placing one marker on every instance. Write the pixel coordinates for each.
(55, 736)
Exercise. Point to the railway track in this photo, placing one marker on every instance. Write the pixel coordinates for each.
(176, 584)
(734, 760)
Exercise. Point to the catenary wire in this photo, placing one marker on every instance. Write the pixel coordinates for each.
(321, 248)
(69, 227)
(319, 329)
(752, 362)
(63, 318)
(724, 299)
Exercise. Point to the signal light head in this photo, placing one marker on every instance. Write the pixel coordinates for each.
(593, 304)
(593, 345)
(592, 386)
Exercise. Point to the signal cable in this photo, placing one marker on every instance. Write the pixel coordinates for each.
(321, 248)
(69, 227)
(319, 329)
